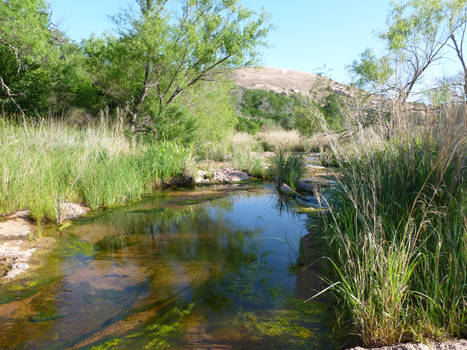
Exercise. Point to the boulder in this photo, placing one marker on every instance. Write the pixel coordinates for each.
(70, 211)
(286, 189)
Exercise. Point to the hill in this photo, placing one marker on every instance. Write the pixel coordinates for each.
(288, 81)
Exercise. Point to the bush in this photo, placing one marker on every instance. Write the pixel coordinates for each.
(249, 125)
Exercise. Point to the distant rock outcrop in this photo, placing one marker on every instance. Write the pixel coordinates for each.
(317, 87)
(288, 81)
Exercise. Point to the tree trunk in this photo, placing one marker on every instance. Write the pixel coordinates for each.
(465, 85)
(133, 119)
(138, 104)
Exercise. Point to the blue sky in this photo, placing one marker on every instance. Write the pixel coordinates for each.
(309, 33)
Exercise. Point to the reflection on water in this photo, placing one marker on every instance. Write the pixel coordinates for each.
(206, 268)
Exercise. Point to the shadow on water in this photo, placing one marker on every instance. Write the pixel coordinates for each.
(205, 268)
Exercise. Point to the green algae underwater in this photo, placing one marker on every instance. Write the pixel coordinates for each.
(192, 268)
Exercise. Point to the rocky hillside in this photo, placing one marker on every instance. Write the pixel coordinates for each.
(328, 95)
(288, 81)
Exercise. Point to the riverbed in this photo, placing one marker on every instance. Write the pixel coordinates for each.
(199, 268)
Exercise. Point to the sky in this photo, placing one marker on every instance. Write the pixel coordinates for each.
(310, 35)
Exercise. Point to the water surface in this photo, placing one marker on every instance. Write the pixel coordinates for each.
(205, 268)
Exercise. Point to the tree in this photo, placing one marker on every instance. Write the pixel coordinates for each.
(371, 71)
(455, 13)
(415, 40)
(164, 50)
(26, 46)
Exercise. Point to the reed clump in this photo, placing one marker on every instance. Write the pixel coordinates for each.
(396, 234)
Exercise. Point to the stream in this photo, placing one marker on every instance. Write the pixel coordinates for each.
(199, 268)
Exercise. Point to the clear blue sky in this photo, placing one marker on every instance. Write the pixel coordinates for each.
(309, 33)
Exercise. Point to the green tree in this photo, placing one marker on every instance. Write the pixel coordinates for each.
(163, 50)
(27, 46)
(416, 38)
(371, 71)
(455, 13)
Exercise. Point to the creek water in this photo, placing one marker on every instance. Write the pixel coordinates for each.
(206, 268)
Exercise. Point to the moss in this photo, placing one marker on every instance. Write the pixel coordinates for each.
(72, 245)
(111, 344)
(282, 324)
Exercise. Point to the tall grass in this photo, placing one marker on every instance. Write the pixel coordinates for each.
(52, 163)
(288, 168)
(397, 239)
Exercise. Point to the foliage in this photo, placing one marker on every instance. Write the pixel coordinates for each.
(213, 109)
(160, 52)
(261, 107)
(249, 125)
(416, 38)
(263, 110)
(371, 71)
(26, 44)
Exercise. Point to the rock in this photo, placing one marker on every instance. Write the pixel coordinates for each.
(70, 211)
(203, 177)
(24, 214)
(224, 175)
(14, 258)
(286, 189)
(229, 175)
(15, 228)
(460, 344)
(305, 186)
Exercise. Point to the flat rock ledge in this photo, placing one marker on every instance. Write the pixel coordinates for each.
(460, 344)
(18, 247)
(15, 253)
(224, 175)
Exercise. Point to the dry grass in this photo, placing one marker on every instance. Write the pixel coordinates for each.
(276, 140)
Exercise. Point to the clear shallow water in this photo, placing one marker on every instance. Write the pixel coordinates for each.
(187, 269)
